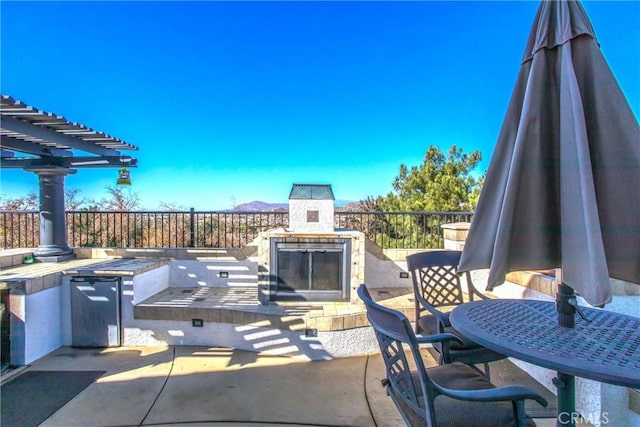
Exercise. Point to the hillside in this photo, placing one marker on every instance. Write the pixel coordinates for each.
(259, 206)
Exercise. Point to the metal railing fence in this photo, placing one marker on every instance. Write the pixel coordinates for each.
(219, 229)
(19, 229)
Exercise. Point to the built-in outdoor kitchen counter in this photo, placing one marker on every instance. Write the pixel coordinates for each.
(38, 276)
(37, 298)
(115, 267)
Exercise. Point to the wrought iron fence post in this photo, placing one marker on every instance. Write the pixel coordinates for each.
(192, 228)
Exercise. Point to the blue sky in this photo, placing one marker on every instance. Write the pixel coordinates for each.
(230, 102)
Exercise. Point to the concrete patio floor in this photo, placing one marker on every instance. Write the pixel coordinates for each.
(200, 386)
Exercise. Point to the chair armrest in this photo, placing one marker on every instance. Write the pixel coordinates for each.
(442, 317)
(472, 290)
(479, 294)
(507, 393)
(444, 337)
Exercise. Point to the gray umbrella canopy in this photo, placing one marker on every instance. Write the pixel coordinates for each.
(563, 186)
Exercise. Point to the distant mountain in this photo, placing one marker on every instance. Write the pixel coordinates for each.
(349, 206)
(258, 206)
(344, 203)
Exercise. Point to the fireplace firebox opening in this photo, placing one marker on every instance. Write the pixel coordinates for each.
(313, 270)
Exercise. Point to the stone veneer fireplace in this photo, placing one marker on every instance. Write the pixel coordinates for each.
(310, 261)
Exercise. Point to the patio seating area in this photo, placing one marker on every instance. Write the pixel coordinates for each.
(152, 384)
(235, 319)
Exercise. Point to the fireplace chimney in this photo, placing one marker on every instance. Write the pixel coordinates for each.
(311, 208)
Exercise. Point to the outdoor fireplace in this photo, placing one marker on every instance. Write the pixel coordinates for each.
(310, 260)
(313, 269)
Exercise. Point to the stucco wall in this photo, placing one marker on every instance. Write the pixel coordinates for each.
(298, 216)
(194, 273)
(326, 345)
(36, 328)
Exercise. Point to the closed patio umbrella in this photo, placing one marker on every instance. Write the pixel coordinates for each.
(563, 186)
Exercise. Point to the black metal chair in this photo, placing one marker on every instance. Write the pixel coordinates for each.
(446, 395)
(437, 287)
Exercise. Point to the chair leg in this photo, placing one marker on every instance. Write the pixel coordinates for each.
(487, 372)
(519, 413)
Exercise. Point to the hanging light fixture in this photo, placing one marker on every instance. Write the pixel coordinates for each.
(123, 177)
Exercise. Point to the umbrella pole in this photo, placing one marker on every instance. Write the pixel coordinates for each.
(565, 384)
(566, 310)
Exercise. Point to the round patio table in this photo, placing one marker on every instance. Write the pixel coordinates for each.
(605, 349)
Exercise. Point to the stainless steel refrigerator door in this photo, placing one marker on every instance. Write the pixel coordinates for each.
(95, 312)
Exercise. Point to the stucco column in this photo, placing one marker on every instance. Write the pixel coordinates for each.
(455, 234)
(53, 225)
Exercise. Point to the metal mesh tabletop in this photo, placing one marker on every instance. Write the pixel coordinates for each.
(605, 349)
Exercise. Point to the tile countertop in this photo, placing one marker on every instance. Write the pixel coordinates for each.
(116, 267)
(39, 276)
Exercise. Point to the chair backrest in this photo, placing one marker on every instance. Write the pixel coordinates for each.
(412, 394)
(435, 277)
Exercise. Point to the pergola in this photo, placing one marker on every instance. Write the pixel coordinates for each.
(53, 147)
